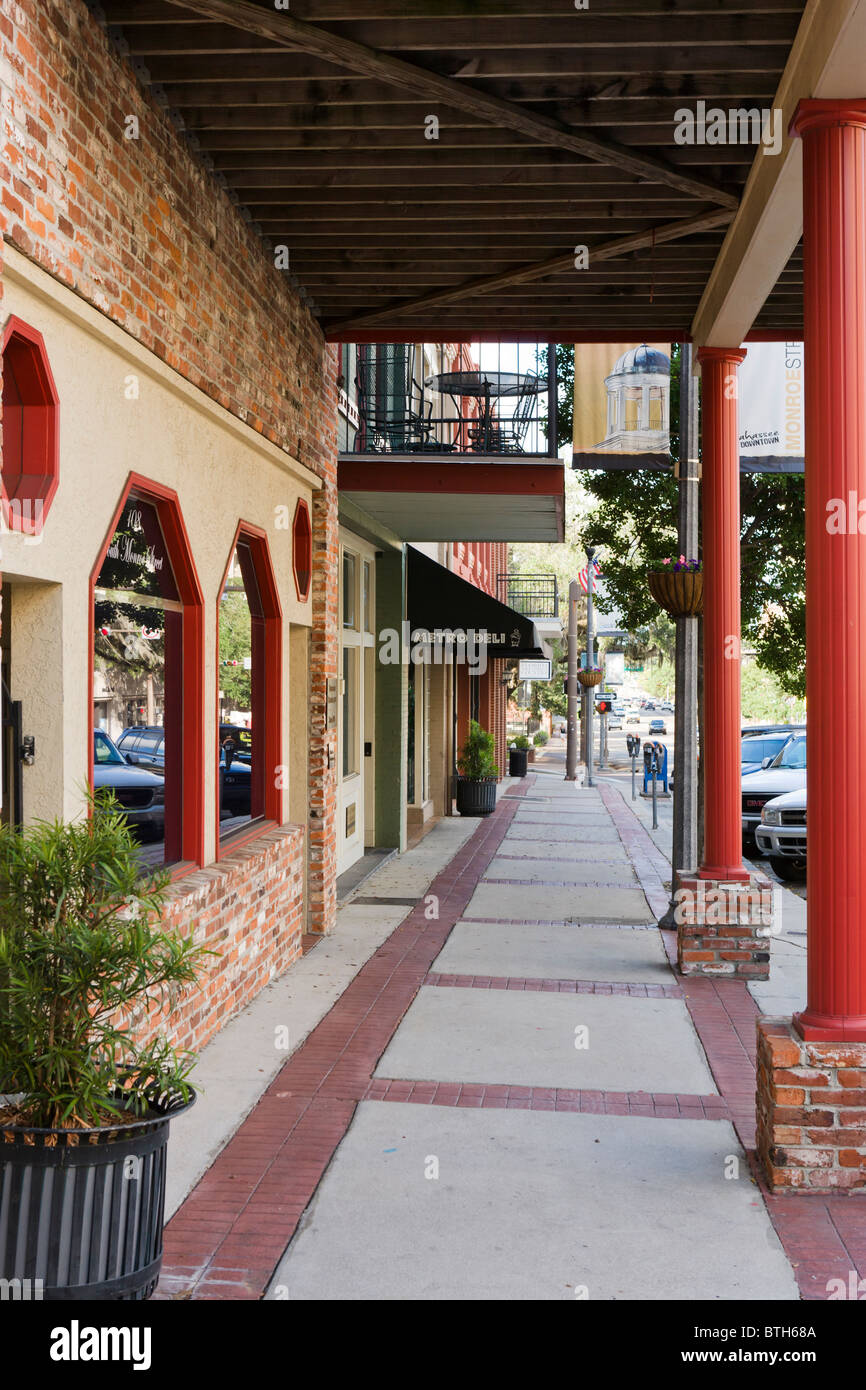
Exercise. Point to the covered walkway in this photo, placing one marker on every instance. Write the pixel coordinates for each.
(373, 1166)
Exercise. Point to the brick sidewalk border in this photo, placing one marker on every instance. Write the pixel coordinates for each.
(546, 986)
(823, 1237)
(229, 1235)
(654, 1105)
(226, 1239)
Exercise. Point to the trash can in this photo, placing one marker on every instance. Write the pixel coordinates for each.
(517, 761)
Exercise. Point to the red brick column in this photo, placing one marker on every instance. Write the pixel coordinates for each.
(322, 872)
(811, 1110)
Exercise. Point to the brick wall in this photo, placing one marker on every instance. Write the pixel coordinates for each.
(723, 928)
(322, 878)
(99, 188)
(811, 1110)
(140, 229)
(248, 909)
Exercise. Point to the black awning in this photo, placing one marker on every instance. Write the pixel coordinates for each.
(440, 601)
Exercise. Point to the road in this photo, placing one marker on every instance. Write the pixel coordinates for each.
(618, 771)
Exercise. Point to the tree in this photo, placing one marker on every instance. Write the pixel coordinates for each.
(634, 517)
(235, 644)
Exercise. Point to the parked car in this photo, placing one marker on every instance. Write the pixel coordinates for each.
(657, 726)
(140, 794)
(758, 750)
(781, 834)
(144, 746)
(748, 730)
(786, 773)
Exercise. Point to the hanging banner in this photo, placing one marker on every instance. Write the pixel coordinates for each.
(771, 415)
(622, 405)
(614, 668)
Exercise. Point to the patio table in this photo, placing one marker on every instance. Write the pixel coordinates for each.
(487, 388)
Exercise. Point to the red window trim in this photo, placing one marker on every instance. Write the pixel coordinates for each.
(167, 505)
(303, 592)
(271, 697)
(49, 469)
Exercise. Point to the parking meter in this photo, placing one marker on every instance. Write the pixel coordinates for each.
(632, 743)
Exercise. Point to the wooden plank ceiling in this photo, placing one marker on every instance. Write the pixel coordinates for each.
(556, 129)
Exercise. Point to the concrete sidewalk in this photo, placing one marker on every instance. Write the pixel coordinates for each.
(497, 1087)
(553, 986)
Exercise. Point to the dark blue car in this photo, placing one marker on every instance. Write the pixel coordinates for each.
(144, 746)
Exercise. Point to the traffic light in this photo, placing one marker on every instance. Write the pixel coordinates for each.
(604, 706)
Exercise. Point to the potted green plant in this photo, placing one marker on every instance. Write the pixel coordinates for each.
(518, 754)
(540, 738)
(84, 1106)
(476, 784)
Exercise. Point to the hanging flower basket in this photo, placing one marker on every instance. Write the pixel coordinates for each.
(590, 677)
(679, 589)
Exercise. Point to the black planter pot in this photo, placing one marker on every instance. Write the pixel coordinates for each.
(82, 1210)
(518, 759)
(476, 796)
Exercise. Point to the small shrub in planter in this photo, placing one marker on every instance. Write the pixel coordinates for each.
(540, 738)
(84, 1107)
(476, 784)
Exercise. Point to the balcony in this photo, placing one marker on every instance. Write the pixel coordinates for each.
(480, 402)
(452, 441)
(533, 595)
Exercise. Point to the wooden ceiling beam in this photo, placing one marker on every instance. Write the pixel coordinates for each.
(526, 274)
(251, 91)
(155, 12)
(284, 29)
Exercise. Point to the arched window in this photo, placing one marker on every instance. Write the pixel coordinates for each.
(148, 687)
(30, 475)
(302, 550)
(249, 683)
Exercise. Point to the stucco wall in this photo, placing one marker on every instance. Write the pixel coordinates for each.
(222, 472)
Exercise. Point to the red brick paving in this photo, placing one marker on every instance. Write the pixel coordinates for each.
(652, 1104)
(514, 982)
(228, 1236)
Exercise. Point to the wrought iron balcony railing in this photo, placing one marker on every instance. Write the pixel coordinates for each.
(533, 595)
(479, 400)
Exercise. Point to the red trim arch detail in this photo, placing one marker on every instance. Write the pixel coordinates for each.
(31, 438)
(302, 550)
(188, 695)
(267, 685)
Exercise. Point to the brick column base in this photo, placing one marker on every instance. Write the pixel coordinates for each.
(723, 928)
(811, 1111)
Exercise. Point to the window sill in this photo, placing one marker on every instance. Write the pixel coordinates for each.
(236, 839)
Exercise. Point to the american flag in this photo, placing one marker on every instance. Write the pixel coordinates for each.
(583, 576)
